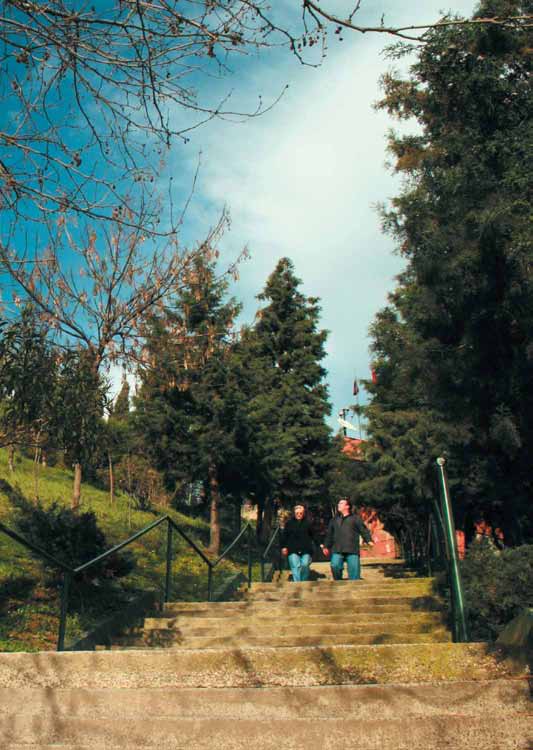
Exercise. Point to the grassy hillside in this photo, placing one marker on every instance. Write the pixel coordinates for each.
(29, 609)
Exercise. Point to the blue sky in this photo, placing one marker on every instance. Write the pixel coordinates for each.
(302, 181)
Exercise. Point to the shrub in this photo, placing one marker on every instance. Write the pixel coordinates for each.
(498, 585)
(71, 538)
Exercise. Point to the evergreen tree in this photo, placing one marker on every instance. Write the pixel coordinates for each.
(79, 401)
(27, 376)
(288, 409)
(121, 407)
(453, 349)
(189, 406)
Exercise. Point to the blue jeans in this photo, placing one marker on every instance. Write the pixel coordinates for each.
(352, 561)
(299, 565)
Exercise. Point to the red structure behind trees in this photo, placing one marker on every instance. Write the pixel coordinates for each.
(384, 543)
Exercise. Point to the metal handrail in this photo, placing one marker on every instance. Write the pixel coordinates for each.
(120, 546)
(272, 539)
(231, 545)
(265, 552)
(454, 574)
(69, 572)
(34, 548)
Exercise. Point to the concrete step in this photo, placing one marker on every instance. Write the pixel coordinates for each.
(502, 731)
(344, 701)
(329, 622)
(253, 667)
(388, 563)
(343, 589)
(343, 584)
(281, 608)
(320, 595)
(319, 624)
(168, 639)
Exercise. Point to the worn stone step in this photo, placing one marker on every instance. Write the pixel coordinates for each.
(330, 621)
(390, 563)
(342, 593)
(280, 608)
(165, 638)
(252, 667)
(344, 701)
(292, 596)
(344, 584)
(503, 731)
(309, 625)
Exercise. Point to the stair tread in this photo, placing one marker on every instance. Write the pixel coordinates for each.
(253, 666)
(505, 731)
(440, 698)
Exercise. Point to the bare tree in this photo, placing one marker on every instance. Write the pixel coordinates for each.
(96, 93)
(98, 297)
(319, 17)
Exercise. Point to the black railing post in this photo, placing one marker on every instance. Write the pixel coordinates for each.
(209, 581)
(63, 612)
(250, 532)
(168, 575)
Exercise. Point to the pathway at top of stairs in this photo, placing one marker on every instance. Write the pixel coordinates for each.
(367, 664)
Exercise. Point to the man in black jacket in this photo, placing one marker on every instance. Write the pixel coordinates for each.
(342, 539)
(297, 544)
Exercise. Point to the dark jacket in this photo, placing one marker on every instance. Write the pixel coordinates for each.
(343, 534)
(298, 537)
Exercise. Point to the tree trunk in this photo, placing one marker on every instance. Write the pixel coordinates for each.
(11, 457)
(268, 514)
(36, 465)
(76, 492)
(214, 515)
(111, 479)
(259, 519)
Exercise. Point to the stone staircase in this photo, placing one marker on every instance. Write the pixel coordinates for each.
(367, 664)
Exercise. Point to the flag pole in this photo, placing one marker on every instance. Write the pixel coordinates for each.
(356, 394)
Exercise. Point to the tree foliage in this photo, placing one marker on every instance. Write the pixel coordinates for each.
(28, 370)
(453, 348)
(288, 407)
(189, 407)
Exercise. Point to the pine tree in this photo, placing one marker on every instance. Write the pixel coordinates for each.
(287, 412)
(189, 405)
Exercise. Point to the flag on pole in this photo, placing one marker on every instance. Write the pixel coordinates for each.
(355, 387)
(373, 376)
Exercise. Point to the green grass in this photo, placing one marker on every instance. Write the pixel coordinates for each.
(29, 609)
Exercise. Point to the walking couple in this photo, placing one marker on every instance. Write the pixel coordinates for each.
(342, 542)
